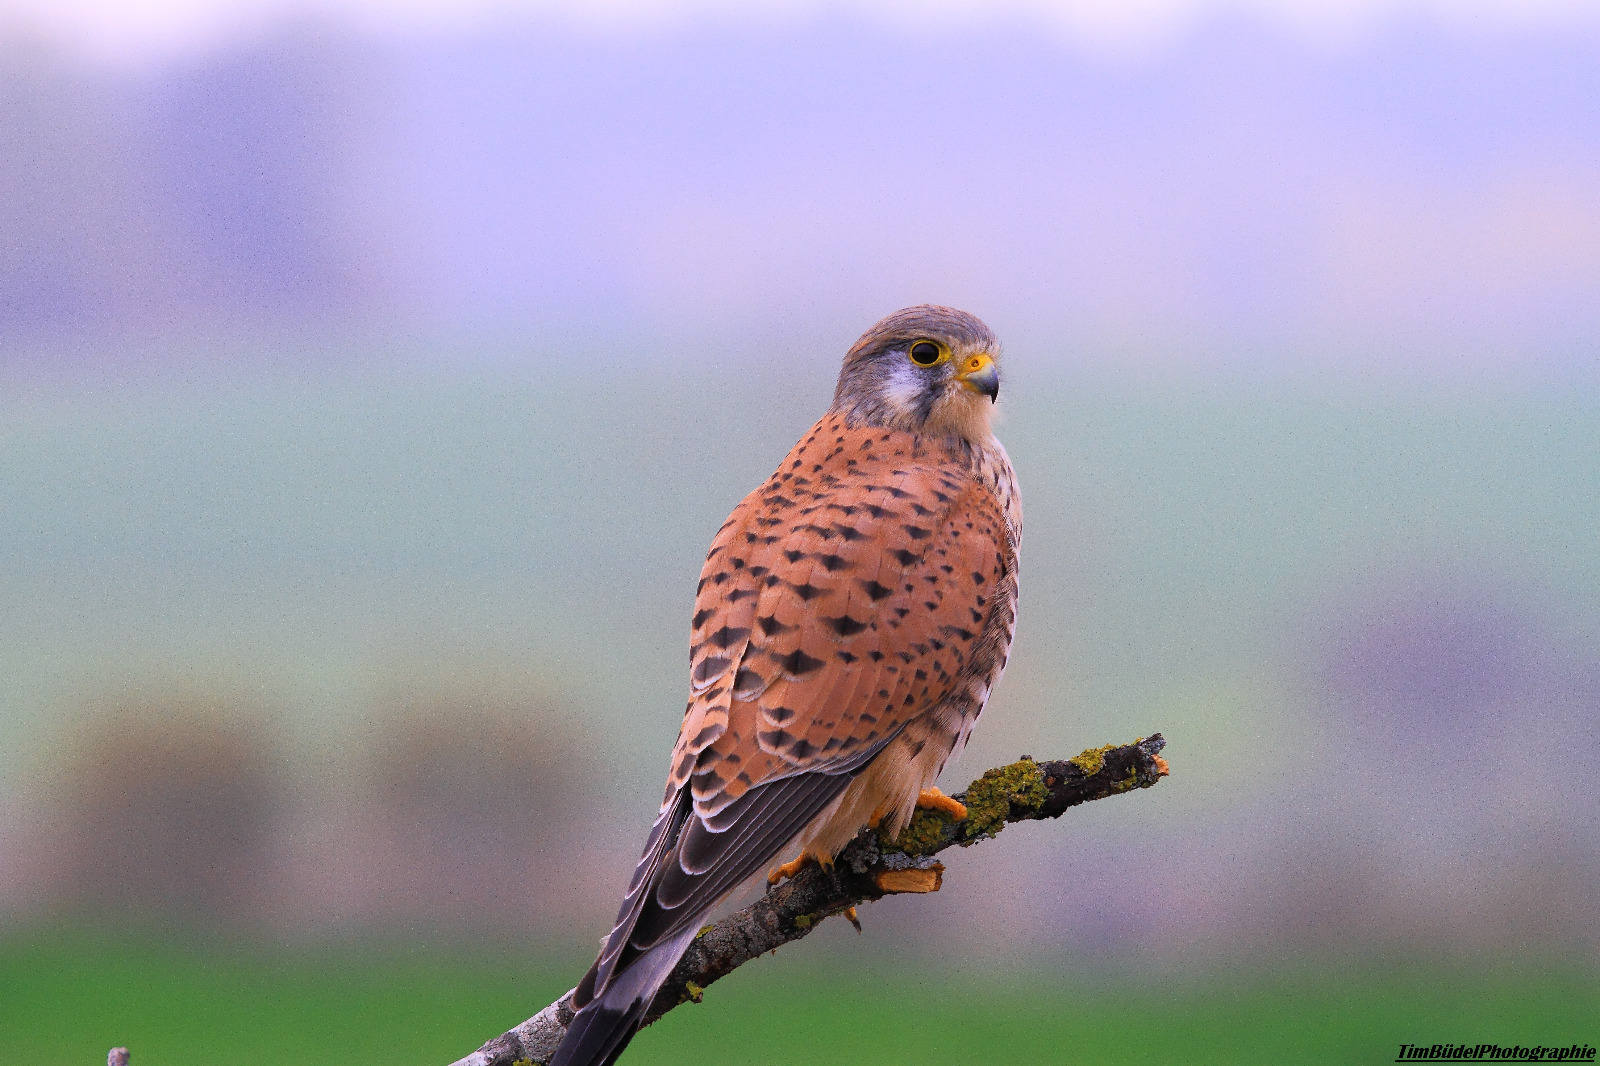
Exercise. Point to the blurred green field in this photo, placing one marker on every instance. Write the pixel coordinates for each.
(67, 998)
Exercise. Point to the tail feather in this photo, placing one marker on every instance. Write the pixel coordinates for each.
(602, 1029)
(688, 866)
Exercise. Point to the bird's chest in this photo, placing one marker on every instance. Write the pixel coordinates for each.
(992, 468)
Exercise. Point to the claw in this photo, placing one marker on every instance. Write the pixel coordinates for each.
(850, 916)
(1161, 766)
(788, 869)
(933, 799)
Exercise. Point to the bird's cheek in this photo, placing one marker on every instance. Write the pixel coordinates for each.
(903, 390)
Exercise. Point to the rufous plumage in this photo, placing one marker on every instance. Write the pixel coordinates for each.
(853, 615)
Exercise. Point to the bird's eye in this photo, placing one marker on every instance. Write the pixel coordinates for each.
(924, 353)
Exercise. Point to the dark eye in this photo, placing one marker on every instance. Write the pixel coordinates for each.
(924, 353)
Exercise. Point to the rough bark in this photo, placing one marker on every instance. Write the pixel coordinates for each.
(868, 868)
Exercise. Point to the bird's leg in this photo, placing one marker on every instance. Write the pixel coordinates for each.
(795, 865)
(933, 799)
(788, 869)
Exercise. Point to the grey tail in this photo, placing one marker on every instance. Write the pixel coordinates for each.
(602, 1029)
(689, 864)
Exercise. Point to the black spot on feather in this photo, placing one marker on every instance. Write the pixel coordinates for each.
(845, 626)
(710, 668)
(776, 739)
(798, 663)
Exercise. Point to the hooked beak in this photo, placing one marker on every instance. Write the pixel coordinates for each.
(980, 375)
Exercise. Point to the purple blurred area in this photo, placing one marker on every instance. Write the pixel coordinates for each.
(1424, 196)
(1303, 337)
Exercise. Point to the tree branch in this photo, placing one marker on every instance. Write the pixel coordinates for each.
(868, 868)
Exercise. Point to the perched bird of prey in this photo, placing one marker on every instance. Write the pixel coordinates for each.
(853, 615)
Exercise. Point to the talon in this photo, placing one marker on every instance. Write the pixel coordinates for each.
(1161, 766)
(850, 916)
(788, 869)
(933, 799)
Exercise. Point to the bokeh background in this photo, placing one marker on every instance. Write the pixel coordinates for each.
(374, 377)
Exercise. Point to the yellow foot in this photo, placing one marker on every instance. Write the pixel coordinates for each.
(1161, 766)
(788, 869)
(850, 916)
(933, 799)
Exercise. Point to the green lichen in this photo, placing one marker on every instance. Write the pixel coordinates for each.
(1091, 760)
(1131, 781)
(524, 1062)
(704, 929)
(695, 992)
(803, 921)
(989, 801)
(923, 835)
(991, 798)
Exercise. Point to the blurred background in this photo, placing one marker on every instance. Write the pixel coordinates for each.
(373, 378)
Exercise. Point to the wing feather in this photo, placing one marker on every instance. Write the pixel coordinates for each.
(780, 811)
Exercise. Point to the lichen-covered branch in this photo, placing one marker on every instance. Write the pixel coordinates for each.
(869, 868)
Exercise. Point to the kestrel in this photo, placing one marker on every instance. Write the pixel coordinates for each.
(852, 617)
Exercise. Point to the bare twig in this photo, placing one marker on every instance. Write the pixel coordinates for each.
(868, 868)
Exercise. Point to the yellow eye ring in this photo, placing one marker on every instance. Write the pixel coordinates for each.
(926, 353)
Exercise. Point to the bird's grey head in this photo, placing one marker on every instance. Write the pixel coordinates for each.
(923, 369)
